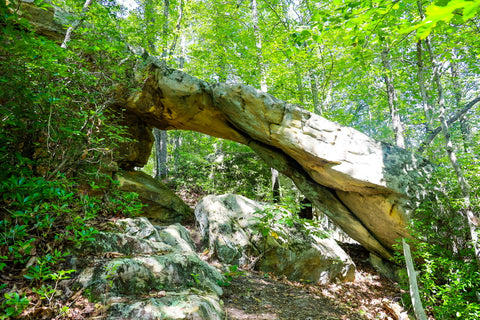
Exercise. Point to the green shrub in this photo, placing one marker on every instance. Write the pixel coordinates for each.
(57, 134)
(448, 274)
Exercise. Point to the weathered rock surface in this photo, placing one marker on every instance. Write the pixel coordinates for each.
(47, 19)
(134, 153)
(162, 204)
(230, 226)
(148, 272)
(364, 186)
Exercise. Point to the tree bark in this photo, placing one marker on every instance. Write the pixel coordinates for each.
(76, 24)
(299, 79)
(392, 101)
(472, 219)
(178, 26)
(263, 88)
(166, 16)
(160, 153)
(258, 45)
(317, 107)
(464, 125)
(427, 108)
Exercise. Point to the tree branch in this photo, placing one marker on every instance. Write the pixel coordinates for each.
(76, 24)
(457, 116)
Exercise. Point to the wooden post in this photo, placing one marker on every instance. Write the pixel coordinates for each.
(412, 278)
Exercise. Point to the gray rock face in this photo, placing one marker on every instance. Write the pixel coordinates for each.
(365, 186)
(148, 272)
(236, 233)
(47, 19)
(162, 204)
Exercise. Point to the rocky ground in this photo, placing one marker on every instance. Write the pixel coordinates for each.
(261, 296)
(250, 294)
(255, 295)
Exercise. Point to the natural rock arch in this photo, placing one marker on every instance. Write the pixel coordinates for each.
(365, 186)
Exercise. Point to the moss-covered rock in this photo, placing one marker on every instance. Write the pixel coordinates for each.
(162, 205)
(144, 271)
(232, 229)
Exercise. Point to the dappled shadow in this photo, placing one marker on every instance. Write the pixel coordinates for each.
(258, 295)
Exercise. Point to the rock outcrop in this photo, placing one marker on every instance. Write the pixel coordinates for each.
(145, 272)
(365, 186)
(46, 18)
(162, 205)
(236, 232)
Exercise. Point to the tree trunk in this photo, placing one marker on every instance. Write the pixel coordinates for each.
(275, 185)
(258, 45)
(263, 88)
(160, 153)
(299, 79)
(472, 220)
(166, 16)
(392, 100)
(178, 26)
(317, 108)
(464, 125)
(427, 108)
(161, 136)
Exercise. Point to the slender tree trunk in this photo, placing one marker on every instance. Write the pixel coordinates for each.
(76, 23)
(166, 17)
(472, 219)
(299, 78)
(317, 107)
(464, 125)
(160, 153)
(258, 45)
(263, 87)
(275, 185)
(161, 136)
(177, 143)
(427, 108)
(178, 27)
(392, 100)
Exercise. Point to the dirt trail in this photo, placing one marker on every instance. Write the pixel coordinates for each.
(255, 295)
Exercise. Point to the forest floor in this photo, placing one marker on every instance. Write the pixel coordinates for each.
(256, 295)
(263, 296)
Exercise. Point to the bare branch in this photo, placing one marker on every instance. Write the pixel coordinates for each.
(457, 116)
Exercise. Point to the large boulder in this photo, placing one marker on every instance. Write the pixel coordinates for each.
(238, 230)
(143, 271)
(162, 205)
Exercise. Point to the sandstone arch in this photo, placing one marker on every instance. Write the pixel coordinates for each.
(365, 186)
